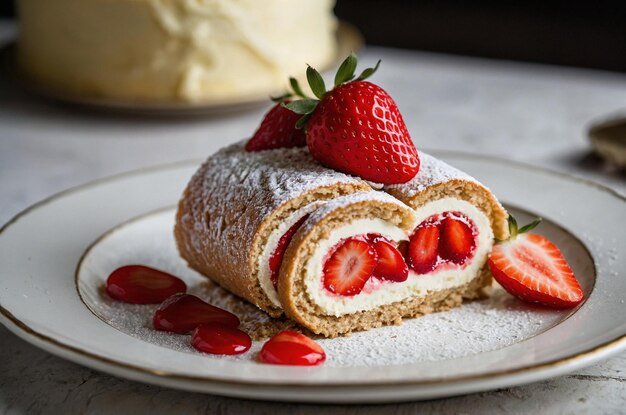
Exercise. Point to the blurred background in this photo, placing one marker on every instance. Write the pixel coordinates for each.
(521, 80)
(588, 34)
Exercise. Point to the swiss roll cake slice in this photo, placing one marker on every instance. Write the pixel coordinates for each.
(432, 235)
(239, 205)
(332, 299)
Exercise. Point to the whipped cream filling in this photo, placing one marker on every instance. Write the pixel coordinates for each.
(272, 242)
(376, 292)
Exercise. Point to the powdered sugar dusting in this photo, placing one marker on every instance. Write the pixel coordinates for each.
(236, 181)
(473, 328)
(432, 171)
(470, 329)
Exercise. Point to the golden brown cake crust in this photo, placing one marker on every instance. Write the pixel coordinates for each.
(236, 199)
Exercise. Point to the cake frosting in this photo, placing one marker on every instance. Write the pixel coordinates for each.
(189, 50)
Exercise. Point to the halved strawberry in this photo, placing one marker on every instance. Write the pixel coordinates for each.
(457, 241)
(276, 259)
(349, 267)
(391, 265)
(182, 313)
(424, 248)
(533, 269)
(292, 348)
(277, 130)
(139, 284)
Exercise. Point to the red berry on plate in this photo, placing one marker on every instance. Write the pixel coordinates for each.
(349, 267)
(457, 240)
(292, 348)
(356, 127)
(424, 248)
(138, 284)
(276, 259)
(277, 130)
(391, 265)
(220, 339)
(533, 269)
(182, 313)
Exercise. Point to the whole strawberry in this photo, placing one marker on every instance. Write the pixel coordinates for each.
(277, 130)
(356, 127)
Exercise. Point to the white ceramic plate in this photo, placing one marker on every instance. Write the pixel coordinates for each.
(348, 39)
(491, 344)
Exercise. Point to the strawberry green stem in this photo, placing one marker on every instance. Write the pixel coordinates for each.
(305, 105)
(514, 231)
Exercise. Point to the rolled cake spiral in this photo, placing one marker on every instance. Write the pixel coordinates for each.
(237, 204)
(241, 208)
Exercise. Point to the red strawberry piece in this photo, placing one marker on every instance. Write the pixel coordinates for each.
(277, 130)
(424, 248)
(355, 127)
(138, 284)
(349, 267)
(292, 348)
(182, 313)
(457, 240)
(276, 259)
(391, 265)
(358, 129)
(403, 248)
(533, 269)
(374, 237)
(220, 339)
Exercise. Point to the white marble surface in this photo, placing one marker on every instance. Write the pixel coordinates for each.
(537, 114)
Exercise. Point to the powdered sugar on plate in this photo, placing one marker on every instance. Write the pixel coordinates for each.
(473, 328)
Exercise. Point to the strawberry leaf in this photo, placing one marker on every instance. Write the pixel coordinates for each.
(512, 227)
(368, 72)
(345, 72)
(532, 225)
(301, 106)
(316, 82)
(301, 123)
(281, 98)
(296, 87)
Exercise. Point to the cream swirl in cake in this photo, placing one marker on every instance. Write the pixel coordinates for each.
(242, 210)
(271, 257)
(376, 292)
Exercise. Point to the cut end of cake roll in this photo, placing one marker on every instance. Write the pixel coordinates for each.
(308, 298)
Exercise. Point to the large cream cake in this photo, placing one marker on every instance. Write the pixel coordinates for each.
(188, 50)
